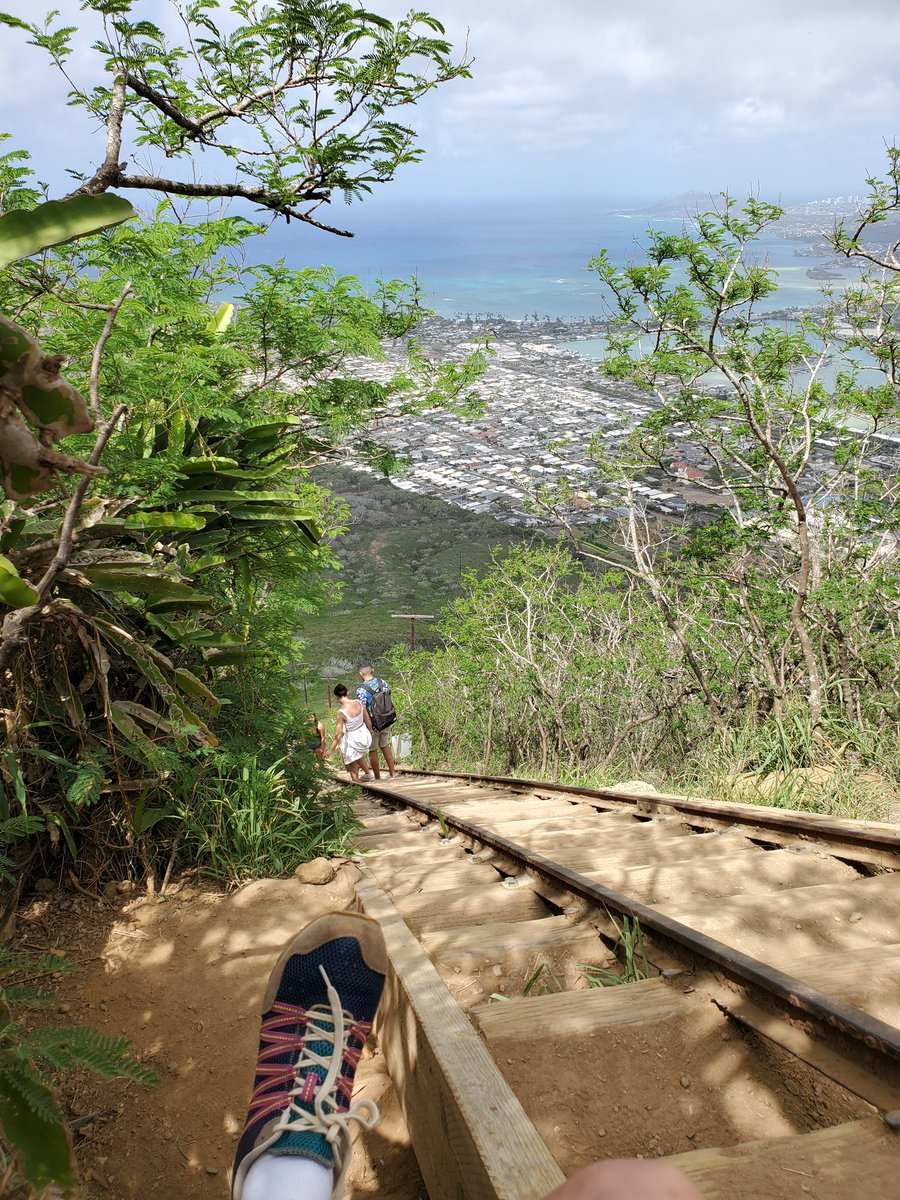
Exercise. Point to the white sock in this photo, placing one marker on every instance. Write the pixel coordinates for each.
(287, 1177)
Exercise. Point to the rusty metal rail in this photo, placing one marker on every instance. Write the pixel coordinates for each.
(799, 998)
(811, 826)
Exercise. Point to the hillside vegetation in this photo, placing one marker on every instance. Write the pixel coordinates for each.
(751, 654)
(152, 569)
(399, 552)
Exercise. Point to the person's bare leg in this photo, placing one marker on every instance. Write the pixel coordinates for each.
(373, 762)
(353, 768)
(388, 753)
(627, 1179)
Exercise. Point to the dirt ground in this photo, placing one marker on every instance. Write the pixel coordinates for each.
(183, 978)
(693, 1081)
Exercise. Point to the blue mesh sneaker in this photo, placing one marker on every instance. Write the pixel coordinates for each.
(317, 1012)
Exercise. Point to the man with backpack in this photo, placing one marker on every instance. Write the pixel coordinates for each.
(375, 694)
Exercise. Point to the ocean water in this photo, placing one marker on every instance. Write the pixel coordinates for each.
(514, 259)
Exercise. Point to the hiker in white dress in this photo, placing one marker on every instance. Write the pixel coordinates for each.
(353, 732)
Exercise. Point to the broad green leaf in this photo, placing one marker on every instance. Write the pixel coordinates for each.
(209, 637)
(189, 683)
(173, 630)
(41, 1147)
(107, 557)
(150, 817)
(215, 474)
(181, 602)
(45, 398)
(56, 819)
(14, 591)
(164, 520)
(139, 583)
(154, 666)
(238, 494)
(142, 746)
(270, 429)
(220, 320)
(205, 561)
(14, 341)
(264, 513)
(233, 657)
(201, 732)
(205, 466)
(147, 716)
(26, 232)
(210, 537)
(10, 537)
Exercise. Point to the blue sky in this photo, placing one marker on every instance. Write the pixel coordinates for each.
(593, 98)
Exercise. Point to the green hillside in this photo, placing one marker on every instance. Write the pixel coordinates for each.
(403, 552)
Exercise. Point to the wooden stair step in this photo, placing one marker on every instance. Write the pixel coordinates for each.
(784, 926)
(491, 815)
(849, 1160)
(501, 941)
(566, 1013)
(638, 853)
(616, 1088)
(555, 842)
(595, 861)
(470, 1134)
(741, 872)
(382, 825)
(868, 978)
(427, 877)
(581, 817)
(433, 853)
(409, 839)
(467, 906)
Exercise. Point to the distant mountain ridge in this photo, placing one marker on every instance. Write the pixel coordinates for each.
(685, 204)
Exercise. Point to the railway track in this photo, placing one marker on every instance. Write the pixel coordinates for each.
(754, 1038)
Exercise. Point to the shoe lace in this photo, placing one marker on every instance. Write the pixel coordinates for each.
(327, 1118)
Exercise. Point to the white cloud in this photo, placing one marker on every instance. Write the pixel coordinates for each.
(674, 92)
(753, 115)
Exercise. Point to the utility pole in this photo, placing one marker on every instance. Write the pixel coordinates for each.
(412, 618)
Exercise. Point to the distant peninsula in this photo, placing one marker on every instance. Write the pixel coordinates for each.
(685, 204)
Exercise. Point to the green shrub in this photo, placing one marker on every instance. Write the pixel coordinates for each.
(247, 820)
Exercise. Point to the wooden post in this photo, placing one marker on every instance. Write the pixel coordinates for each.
(412, 618)
(488, 736)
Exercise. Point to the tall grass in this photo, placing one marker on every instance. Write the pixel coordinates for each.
(838, 768)
(633, 957)
(246, 822)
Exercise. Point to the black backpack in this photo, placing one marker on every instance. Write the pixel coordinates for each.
(381, 707)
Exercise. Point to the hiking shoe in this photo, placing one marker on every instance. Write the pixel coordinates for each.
(317, 1012)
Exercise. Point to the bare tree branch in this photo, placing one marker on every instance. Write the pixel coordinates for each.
(97, 356)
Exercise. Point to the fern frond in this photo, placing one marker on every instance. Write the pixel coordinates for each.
(22, 1079)
(16, 962)
(25, 995)
(88, 777)
(19, 827)
(78, 1046)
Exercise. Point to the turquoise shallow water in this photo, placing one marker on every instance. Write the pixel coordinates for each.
(511, 259)
(595, 348)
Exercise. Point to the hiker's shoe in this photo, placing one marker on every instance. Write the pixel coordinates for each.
(317, 1012)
